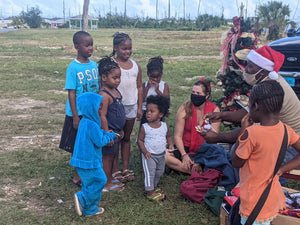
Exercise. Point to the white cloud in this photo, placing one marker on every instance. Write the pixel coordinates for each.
(141, 8)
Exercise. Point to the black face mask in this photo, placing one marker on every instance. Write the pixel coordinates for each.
(198, 100)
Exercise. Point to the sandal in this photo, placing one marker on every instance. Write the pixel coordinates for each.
(158, 190)
(118, 176)
(116, 181)
(156, 197)
(128, 175)
(113, 188)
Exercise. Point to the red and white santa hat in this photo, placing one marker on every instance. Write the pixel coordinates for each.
(268, 59)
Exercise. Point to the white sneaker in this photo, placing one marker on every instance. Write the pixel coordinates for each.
(78, 206)
(100, 211)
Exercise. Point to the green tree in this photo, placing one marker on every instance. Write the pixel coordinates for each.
(206, 22)
(273, 15)
(32, 17)
(17, 21)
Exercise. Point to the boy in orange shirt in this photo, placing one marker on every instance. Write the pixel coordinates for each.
(257, 151)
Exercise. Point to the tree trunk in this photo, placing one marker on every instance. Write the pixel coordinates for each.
(85, 15)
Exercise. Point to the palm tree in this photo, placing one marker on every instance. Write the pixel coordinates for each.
(273, 15)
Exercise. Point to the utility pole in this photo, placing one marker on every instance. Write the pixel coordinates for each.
(169, 9)
(199, 2)
(85, 15)
(125, 10)
(64, 11)
(184, 9)
(110, 7)
(242, 10)
(156, 12)
(246, 9)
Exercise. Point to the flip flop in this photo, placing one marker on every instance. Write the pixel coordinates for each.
(128, 175)
(113, 188)
(118, 176)
(158, 197)
(116, 181)
(158, 190)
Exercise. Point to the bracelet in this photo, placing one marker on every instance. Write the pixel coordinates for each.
(183, 155)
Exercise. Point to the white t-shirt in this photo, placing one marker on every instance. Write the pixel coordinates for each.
(128, 86)
(156, 138)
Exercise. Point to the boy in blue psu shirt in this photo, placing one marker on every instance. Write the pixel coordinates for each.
(87, 155)
(81, 77)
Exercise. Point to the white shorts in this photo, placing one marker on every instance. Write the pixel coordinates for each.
(130, 111)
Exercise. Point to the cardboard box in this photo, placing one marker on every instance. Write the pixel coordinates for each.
(279, 220)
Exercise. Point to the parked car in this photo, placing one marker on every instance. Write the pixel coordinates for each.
(293, 32)
(290, 69)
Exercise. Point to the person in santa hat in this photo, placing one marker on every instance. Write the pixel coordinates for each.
(263, 64)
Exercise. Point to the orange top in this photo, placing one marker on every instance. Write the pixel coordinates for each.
(260, 150)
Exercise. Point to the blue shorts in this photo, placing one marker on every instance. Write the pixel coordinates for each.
(110, 150)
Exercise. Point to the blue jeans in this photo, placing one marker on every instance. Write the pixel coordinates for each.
(244, 219)
(290, 154)
(93, 182)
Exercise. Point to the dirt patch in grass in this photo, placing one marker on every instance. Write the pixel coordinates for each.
(21, 103)
(29, 109)
(18, 143)
(13, 191)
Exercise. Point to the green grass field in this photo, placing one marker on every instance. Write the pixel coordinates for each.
(35, 174)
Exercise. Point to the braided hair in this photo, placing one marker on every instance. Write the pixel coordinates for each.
(119, 37)
(106, 65)
(77, 37)
(269, 94)
(155, 64)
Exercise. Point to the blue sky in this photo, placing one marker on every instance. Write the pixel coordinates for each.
(141, 8)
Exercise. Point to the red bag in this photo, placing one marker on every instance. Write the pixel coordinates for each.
(196, 187)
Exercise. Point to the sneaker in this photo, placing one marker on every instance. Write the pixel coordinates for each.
(78, 207)
(100, 211)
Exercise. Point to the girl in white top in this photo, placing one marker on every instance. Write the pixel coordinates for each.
(154, 86)
(132, 91)
(153, 139)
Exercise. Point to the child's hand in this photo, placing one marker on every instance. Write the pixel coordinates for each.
(139, 114)
(76, 121)
(121, 134)
(152, 82)
(147, 155)
(246, 121)
(213, 117)
(110, 143)
(279, 172)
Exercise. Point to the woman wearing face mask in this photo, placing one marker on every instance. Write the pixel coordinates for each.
(186, 138)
